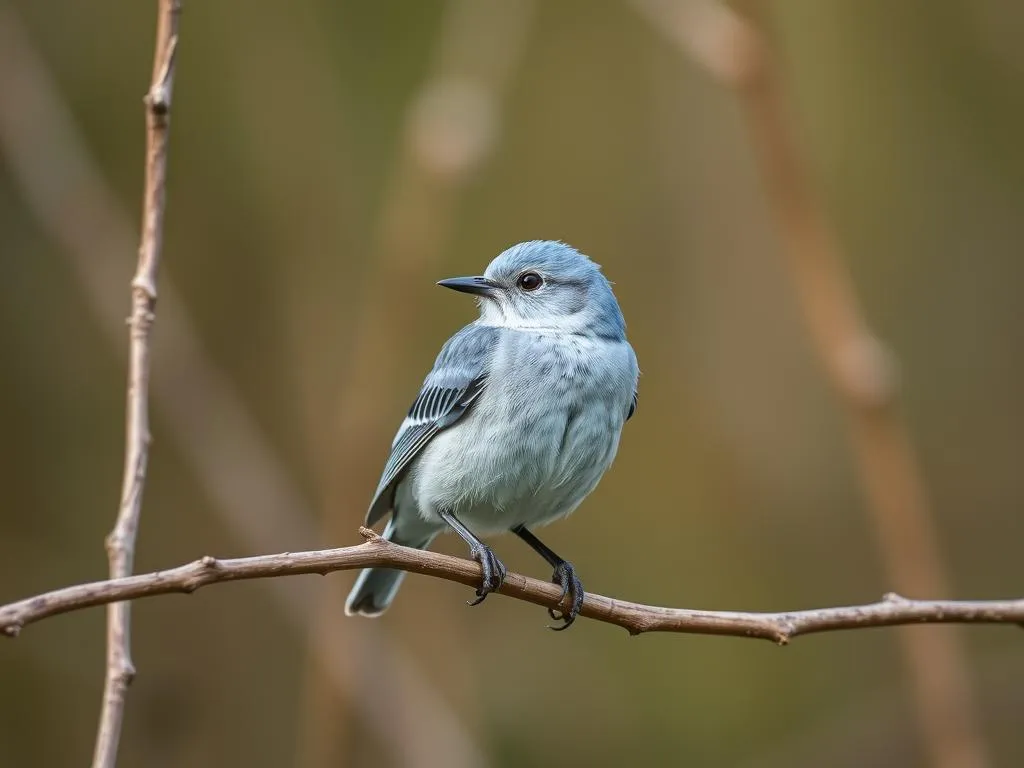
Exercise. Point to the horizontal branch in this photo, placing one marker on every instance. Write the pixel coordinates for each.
(633, 617)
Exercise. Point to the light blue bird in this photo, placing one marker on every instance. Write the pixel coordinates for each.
(516, 423)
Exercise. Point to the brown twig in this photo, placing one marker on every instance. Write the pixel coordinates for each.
(636, 618)
(734, 49)
(234, 463)
(121, 540)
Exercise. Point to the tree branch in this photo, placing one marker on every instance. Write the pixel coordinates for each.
(121, 540)
(635, 618)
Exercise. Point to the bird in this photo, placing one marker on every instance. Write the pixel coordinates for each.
(515, 424)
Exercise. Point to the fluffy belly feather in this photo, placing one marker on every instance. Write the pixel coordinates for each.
(494, 478)
(531, 448)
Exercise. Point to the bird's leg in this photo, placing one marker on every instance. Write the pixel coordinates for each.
(564, 575)
(493, 569)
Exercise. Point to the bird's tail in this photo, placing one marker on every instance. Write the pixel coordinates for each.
(375, 588)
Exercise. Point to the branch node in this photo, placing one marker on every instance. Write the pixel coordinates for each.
(114, 542)
(204, 571)
(126, 673)
(145, 289)
(892, 597)
(371, 535)
(158, 98)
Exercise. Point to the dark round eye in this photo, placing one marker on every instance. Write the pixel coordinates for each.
(530, 281)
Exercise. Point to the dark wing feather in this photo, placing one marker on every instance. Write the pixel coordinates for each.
(632, 405)
(456, 381)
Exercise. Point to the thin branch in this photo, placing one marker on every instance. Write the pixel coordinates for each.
(236, 466)
(121, 540)
(635, 618)
(734, 49)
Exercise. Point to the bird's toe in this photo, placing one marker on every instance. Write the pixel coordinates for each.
(571, 600)
(493, 573)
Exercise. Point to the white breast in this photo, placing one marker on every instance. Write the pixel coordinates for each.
(536, 442)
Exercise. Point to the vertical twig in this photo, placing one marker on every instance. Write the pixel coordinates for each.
(121, 540)
(233, 461)
(733, 48)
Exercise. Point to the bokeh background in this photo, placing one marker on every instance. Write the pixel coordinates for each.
(329, 162)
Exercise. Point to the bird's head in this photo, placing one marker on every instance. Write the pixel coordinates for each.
(545, 285)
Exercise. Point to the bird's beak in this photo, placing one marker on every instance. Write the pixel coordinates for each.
(479, 286)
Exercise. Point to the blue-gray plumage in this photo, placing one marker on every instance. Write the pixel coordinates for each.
(516, 422)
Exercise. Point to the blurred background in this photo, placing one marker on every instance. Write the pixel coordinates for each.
(329, 161)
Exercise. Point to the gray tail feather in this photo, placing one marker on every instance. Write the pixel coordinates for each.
(375, 588)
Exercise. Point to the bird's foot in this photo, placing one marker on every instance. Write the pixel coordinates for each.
(572, 595)
(494, 572)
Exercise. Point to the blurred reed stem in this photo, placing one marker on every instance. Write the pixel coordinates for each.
(452, 123)
(734, 48)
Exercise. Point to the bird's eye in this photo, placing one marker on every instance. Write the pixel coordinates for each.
(530, 281)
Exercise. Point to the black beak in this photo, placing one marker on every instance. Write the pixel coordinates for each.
(479, 286)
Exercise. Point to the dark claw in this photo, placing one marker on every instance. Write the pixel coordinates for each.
(494, 572)
(572, 589)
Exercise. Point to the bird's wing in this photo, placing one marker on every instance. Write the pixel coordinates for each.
(457, 379)
(632, 405)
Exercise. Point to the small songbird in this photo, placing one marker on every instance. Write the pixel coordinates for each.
(516, 423)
